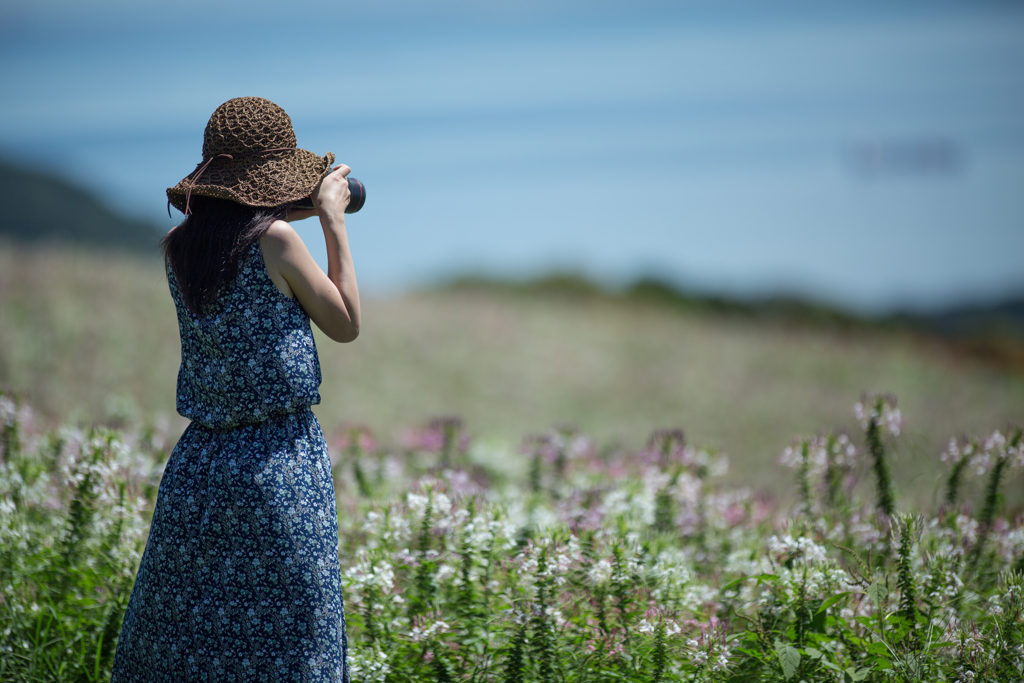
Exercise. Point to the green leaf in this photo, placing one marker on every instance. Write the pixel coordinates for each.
(732, 584)
(878, 593)
(818, 622)
(833, 600)
(813, 652)
(852, 675)
(789, 658)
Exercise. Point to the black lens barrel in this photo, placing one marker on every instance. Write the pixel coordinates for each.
(357, 198)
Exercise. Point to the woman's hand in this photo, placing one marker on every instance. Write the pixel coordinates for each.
(332, 195)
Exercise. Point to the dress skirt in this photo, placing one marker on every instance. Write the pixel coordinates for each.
(240, 579)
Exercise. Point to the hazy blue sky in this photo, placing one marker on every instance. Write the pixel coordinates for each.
(725, 145)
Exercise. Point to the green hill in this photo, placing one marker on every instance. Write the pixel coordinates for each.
(40, 208)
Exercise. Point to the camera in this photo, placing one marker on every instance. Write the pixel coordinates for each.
(357, 197)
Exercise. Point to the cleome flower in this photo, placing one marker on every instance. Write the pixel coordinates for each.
(959, 450)
(712, 650)
(824, 452)
(370, 570)
(560, 558)
(882, 411)
(659, 616)
(368, 665)
(785, 548)
(994, 448)
(426, 627)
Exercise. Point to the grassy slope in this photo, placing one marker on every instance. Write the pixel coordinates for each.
(86, 335)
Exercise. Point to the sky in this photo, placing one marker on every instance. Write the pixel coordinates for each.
(865, 154)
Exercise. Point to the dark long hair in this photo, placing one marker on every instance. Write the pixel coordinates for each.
(206, 248)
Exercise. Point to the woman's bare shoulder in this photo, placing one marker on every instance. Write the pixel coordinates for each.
(281, 245)
(279, 238)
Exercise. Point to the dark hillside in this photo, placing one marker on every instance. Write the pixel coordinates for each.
(37, 208)
(994, 332)
(1003, 319)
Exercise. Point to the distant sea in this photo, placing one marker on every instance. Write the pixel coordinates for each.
(866, 156)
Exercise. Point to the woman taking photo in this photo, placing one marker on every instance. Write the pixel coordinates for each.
(240, 579)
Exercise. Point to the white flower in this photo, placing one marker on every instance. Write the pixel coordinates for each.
(791, 457)
(369, 666)
(444, 572)
(862, 414)
(600, 573)
(995, 442)
(883, 413)
(416, 502)
(799, 548)
(420, 633)
(892, 419)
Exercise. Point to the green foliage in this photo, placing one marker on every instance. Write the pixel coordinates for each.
(653, 575)
(71, 528)
(905, 579)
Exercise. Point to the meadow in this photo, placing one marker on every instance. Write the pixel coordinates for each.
(91, 337)
(519, 501)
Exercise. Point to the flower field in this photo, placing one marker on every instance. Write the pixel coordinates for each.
(565, 560)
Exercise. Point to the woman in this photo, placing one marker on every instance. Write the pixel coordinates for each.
(240, 578)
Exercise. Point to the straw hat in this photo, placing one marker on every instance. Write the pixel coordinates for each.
(250, 157)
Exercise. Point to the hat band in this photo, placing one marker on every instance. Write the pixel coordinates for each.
(201, 168)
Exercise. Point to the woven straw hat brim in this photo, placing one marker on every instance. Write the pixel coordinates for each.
(269, 179)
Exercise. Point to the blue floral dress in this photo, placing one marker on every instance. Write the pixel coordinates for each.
(240, 579)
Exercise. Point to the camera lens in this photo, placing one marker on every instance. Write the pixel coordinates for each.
(357, 195)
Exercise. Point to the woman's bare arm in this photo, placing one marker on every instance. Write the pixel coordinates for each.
(331, 300)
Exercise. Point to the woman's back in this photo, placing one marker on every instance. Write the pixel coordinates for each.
(249, 356)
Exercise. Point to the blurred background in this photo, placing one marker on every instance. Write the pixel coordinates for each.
(729, 216)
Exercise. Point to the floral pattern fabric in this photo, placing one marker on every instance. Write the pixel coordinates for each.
(240, 579)
(250, 357)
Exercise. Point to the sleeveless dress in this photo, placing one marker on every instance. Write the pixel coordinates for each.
(240, 579)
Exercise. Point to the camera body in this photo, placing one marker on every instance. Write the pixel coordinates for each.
(357, 198)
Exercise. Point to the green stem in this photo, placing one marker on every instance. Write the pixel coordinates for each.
(805, 476)
(953, 483)
(883, 479)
